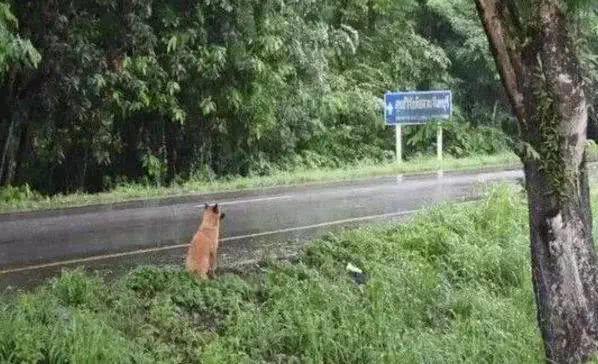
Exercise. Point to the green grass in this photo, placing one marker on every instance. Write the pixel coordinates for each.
(451, 286)
(23, 199)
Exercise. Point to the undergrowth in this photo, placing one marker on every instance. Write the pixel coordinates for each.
(451, 286)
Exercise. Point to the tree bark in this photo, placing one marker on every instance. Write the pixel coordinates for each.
(5, 160)
(541, 74)
(8, 167)
(8, 139)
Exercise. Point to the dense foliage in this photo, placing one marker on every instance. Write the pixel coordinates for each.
(155, 90)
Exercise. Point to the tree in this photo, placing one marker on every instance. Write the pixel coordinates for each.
(533, 43)
(133, 91)
(13, 49)
(15, 53)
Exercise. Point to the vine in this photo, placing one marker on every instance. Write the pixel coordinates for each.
(551, 143)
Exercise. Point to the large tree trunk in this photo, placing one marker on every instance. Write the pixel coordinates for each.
(5, 158)
(563, 267)
(8, 140)
(10, 149)
(541, 74)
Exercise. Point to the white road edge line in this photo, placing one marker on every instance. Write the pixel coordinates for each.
(179, 246)
(234, 202)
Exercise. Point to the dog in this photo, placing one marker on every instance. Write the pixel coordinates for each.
(202, 255)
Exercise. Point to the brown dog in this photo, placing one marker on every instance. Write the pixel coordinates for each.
(201, 257)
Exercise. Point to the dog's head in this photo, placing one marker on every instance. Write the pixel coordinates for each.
(212, 215)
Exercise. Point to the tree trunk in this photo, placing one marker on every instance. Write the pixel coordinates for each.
(543, 80)
(23, 153)
(171, 151)
(83, 174)
(563, 267)
(8, 139)
(7, 158)
(593, 126)
(12, 153)
(4, 157)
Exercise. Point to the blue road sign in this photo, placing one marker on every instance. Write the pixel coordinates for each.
(417, 107)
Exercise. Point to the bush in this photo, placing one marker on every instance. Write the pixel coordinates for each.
(12, 194)
(460, 139)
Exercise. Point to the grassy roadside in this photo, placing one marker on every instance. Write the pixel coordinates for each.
(23, 199)
(451, 286)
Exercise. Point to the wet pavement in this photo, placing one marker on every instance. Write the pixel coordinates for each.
(37, 245)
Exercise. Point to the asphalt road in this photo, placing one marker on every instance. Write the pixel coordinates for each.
(37, 245)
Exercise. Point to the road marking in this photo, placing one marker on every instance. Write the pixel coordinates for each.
(324, 224)
(179, 246)
(235, 202)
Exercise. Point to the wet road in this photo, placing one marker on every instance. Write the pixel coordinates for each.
(34, 246)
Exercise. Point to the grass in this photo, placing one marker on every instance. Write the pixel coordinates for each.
(24, 199)
(451, 286)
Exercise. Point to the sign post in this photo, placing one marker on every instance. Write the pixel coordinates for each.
(439, 142)
(417, 107)
(399, 141)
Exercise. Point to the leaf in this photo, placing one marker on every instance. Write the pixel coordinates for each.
(33, 56)
(7, 17)
(145, 99)
(528, 151)
(173, 88)
(179, 115)
(172, 44)
(207, 106)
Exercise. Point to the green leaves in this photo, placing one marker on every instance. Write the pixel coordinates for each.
(207, 106)
(13, 49)
(155, 168)
(6, 15)
(171, 47)
(577, 5)
(232, 86)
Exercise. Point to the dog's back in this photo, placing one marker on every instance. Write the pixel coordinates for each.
(203, 250)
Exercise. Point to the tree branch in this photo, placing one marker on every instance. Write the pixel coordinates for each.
(495, 19)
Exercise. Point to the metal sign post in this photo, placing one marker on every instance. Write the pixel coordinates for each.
(399, 140)
(439, 142)
(417, 107)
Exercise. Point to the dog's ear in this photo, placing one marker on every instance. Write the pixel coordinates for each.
(206, 206)
(215, 208)
(222, 215)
